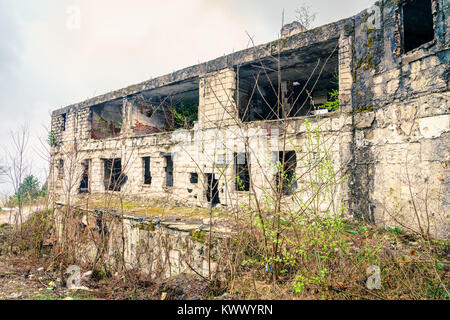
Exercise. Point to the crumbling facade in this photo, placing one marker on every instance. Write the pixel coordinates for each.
(391, 130)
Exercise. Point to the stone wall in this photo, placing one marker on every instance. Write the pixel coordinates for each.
(391, 134)
(153, 247)
(398, 98)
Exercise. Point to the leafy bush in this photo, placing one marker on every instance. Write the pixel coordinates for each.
(51, 138)
(185, 115)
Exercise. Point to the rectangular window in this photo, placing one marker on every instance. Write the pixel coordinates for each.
(113, 177)
(169, 170)
(261, 96)
(417, 24)
(147, 173)
(242, 171)
(84, 184)
(212, 190)
(285, 177)
(194, 178)
(63, 122)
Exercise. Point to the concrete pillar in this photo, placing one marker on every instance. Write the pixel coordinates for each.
(345, 71)
(217, 105)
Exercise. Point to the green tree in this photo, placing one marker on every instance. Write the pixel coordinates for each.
(29, 189)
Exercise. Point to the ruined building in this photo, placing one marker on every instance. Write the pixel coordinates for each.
(188, 135)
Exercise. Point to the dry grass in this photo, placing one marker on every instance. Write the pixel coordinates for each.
(411, 268)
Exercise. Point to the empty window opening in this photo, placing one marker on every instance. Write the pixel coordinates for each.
(184, 114)
(166, 108)
(285, 177)
(84, 185)
(147, 173)
(212, 191)
(63, 122)
(417, 24)
(169, 170)
(164, 114)
(106, 120)
(114, 178)
(194, 178)
(60, 169)
(242, 172)
(308, 79)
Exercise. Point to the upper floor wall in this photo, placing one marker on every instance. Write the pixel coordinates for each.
(393, 51)
(400, 51)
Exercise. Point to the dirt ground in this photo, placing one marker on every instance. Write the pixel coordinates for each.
(25, 278)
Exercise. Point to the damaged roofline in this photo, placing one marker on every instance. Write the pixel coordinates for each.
(288, 44)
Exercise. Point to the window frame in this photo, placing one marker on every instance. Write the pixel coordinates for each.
(401, 27)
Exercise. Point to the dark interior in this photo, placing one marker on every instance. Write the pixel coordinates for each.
(307, 76)
(169, 170)
(84, 185)
(417, 24)
(113, 177)
(285, 177)
(242, 171)
(147, 174)
(212, 192)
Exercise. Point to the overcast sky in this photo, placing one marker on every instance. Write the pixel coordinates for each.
(48, 61)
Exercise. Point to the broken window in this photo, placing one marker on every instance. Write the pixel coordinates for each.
(164, 114)
(147, 173)
(106, 120)
(417, 24)
(194, 178)
(286, 165)
(147, 117)
(169, 170)
(212, 191)
(114, 179)
(166, 108)
(185, 114)
(308, 77)
(60, 169)
(84, 184)
(242, 172)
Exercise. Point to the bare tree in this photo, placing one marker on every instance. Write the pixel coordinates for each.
(305, 16)
(17, 169)
(2, 173)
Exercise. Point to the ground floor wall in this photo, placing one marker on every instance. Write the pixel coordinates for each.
(394, 159)
(399, 169)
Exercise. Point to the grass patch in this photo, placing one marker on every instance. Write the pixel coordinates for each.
(148, 209)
